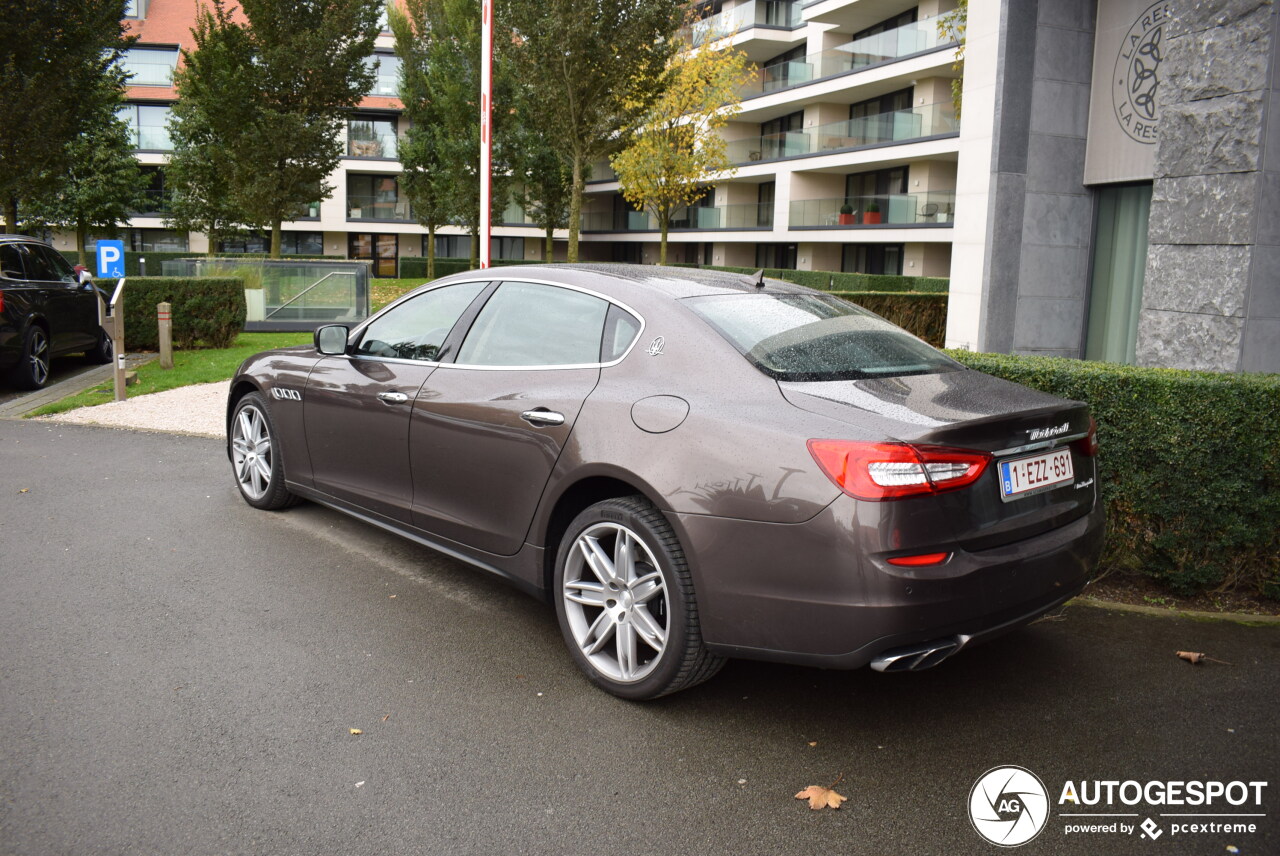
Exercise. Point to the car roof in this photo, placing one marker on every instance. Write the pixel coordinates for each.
(675, 282)
(8, 239)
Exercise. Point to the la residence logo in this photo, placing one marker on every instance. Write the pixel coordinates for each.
(1137, 74)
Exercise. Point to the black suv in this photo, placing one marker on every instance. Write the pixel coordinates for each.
(45, 311)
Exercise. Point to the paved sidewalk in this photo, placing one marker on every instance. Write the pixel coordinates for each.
(26, 402)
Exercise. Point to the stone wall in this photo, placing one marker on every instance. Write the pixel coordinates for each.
(1211, 299)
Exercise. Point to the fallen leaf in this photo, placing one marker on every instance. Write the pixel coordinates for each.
(393, 597)
(1193, 657)
(820, 797)
(356, 731)
(24, 490)
(813, 742)
(385, 718)
(358, 784)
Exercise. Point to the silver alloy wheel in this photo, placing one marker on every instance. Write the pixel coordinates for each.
(251, 451)
(615, 599)
(39, 356)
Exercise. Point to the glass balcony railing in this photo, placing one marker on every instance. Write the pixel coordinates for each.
(883, 47)
(601, 171)
(780, 14)
(376, 146)
(894, 127)
(893, 209)
(748, 215)
(769, 147)
(374, 208)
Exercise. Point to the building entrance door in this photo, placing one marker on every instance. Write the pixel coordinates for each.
(382, 250)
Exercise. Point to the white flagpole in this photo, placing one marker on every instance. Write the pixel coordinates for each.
(486, 128)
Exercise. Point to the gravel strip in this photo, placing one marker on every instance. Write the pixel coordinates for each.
(199, 410)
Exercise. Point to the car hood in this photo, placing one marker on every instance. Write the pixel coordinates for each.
(966, 408)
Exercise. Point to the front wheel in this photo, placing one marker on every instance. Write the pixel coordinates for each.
(256, 459)
(625, 602)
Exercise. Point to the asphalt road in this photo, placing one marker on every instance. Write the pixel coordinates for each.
(179, 674)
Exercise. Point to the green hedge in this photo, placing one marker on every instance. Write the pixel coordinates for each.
(825, 280)
(412, 267)
(1189, 463)
(924, 315)
(207, 311)
(156, 260)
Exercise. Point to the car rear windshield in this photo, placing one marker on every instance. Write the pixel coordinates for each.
(813, 337)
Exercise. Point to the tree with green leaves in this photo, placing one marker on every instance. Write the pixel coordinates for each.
(544, 188)
(595, 67)
(56, 56)
(953, 26)
(678, 145)
(275, 82)
(101, 183)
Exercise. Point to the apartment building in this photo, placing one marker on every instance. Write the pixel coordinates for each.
(844, 151)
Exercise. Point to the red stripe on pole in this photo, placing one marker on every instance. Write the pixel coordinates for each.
(486, 136)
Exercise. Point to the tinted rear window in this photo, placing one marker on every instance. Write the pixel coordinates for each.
(799, 337)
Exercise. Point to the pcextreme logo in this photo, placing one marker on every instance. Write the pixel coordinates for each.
(1009, 806)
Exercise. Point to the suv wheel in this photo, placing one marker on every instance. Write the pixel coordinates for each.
(32, 370)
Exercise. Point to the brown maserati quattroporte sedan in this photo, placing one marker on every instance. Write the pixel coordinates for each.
(691, 465)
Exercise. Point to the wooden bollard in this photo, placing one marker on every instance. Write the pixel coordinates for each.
(165, 318)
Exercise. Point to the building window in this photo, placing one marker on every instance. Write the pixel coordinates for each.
(376, 197)
(370, 137)
(1119, 268)
(148, 126)
(291, 243)
(765, 196)
(626, 252)
(157, 241)
(453, 246)
(135, 8)
(506, 248)
(872, 258)
(783, 137)
(150, 66)
(387, 69)
(776, 256)
(902, 20)
(157, 196)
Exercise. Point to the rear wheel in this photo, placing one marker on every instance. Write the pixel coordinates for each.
(32, 370)
(625, 602)
(256, 459)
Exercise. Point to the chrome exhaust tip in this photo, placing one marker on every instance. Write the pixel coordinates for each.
(914, 658)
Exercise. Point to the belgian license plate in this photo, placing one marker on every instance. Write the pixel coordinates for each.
(1024, 476)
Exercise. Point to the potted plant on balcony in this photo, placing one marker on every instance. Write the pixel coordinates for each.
(872, 214)
(847, 217)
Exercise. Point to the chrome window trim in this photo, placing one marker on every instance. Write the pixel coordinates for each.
(359, 331)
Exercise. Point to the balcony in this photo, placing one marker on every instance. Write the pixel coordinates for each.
(915, 38)
(776, 14)
(931, 208)
(372, 146)
(601, 171)
(377, 208)
(749, 215)
(898, 126)
(151, 139)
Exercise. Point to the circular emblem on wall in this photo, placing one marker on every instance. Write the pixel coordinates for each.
(1136, 83)
(1008, 806)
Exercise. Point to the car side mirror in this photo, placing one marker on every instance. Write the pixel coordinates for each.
(85, 277)
(331, 340)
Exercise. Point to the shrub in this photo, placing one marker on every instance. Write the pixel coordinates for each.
(415, 267)
(207, 311)
(923, 315)
(1189, 464)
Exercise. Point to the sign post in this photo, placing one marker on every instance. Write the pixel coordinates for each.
(486, 128)
(113, 323)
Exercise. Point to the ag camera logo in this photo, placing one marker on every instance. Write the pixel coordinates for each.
(1008, 806)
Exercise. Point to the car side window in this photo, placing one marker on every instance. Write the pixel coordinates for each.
(527, 324)
(11, 262)
(620, 330)
(62, 270)
(39, 267)
(417, 328)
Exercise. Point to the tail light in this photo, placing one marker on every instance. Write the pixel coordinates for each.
(882, 471)
(923, 560)
(1088, 446)
(1, 302)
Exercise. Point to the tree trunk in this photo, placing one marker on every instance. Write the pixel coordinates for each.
(431, 252)
(575, 208)
(551, 243)
(475, 248)
(664, 223)
(11, 215)
(275, 239)
(82, 233)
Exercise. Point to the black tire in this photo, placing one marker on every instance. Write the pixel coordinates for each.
(612, 618)
(100, 353)
(257, 461)
(32, 370)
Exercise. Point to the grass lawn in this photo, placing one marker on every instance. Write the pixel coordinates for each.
(383, 291)
(189, 367)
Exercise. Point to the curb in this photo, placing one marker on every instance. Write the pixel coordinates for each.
(1166, 612)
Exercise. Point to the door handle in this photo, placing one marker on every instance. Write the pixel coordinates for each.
(393, 397)
(542, 417)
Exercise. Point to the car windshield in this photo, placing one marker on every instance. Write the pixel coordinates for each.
(815, 337)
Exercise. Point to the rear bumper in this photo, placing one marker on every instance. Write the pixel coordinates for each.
(810, 594)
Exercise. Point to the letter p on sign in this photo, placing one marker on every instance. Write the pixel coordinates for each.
(111, 259)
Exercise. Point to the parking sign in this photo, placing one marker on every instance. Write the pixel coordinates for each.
(110, 259)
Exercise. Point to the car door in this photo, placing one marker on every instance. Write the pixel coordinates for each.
(70, 309)
(488, 428)
(356, 406)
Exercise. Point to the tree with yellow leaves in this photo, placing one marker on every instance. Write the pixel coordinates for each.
(677, 145)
